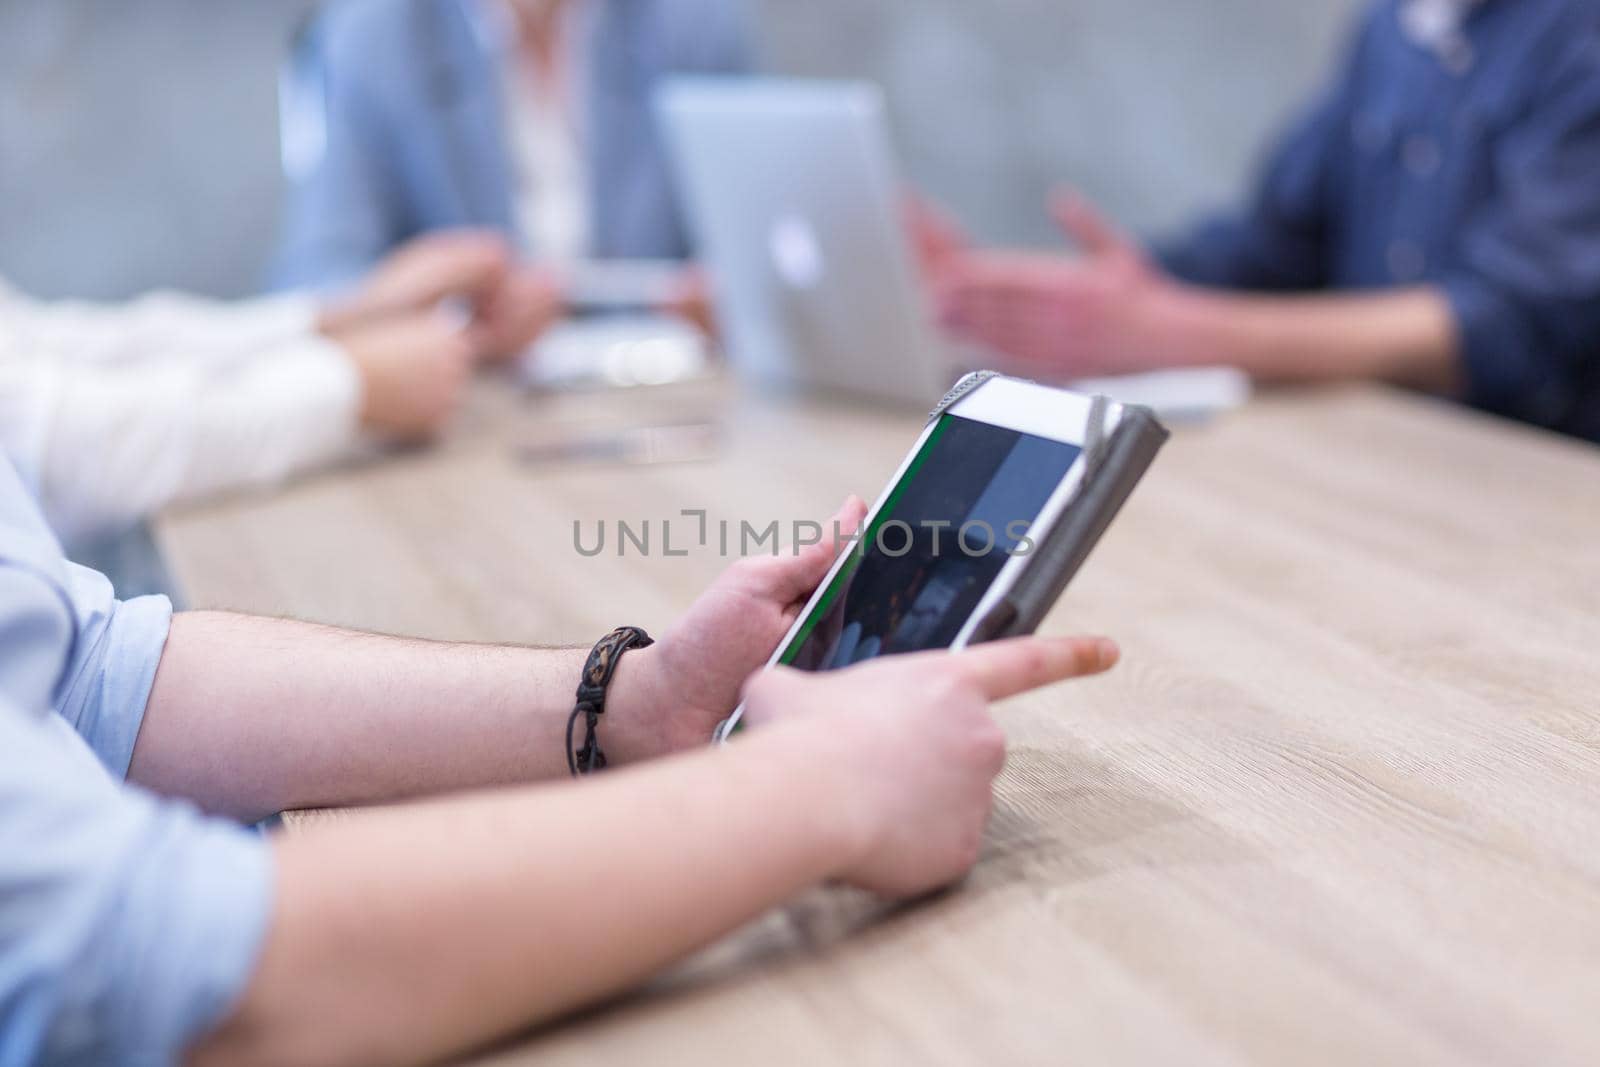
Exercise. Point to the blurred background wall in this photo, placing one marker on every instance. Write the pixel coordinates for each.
(138, 139)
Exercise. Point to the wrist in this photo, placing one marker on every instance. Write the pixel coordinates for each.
(818, 762)
(632, 728)
(1189, 326)
(813, 765)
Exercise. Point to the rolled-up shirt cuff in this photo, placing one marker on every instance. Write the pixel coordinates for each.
(1180, 260)
(323, 375)
(278, 319)
(135, 647)
(121, 646)
(1212, 254)
(1494, 340)
(291, 409)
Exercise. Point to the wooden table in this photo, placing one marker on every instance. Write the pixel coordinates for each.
(1341, 803)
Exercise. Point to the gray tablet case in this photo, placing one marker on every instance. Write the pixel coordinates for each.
(1114, 463)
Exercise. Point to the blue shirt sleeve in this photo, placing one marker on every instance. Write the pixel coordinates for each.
(343, 210)
(129, 923)
(1526, 290)
(113, 665)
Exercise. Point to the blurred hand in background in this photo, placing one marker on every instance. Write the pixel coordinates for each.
(503, 306)
(937, 240)
(507, 320)
(417, 324)
(413, 370)
(1075, 316)
(694, 301)
(467, 265)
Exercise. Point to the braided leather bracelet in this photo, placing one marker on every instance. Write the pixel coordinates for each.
(597, 674)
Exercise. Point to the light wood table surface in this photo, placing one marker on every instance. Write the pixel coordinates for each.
(1340, 803)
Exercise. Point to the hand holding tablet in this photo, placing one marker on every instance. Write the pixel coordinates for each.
(997, 506)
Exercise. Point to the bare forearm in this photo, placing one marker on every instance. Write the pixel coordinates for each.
(1406, 337)
(251, 716)
(407, 935)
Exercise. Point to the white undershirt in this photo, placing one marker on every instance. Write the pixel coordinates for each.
(549, 173)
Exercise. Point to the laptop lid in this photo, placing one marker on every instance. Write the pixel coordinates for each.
(792, 193)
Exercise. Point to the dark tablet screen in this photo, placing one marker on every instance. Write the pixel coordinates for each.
(963, 507)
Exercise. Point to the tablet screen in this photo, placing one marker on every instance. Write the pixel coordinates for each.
(963, 508)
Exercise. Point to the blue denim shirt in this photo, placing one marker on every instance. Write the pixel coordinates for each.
(1475, 169)
(128, 923)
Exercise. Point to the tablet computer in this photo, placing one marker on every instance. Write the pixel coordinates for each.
(1009, 487)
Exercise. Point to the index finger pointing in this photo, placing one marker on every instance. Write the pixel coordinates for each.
(1007, 668)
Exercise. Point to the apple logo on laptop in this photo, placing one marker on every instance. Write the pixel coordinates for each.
(796, 252)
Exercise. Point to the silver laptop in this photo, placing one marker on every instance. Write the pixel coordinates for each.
(791, 189)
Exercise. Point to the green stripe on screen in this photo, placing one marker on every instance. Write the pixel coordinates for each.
(885, 513)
